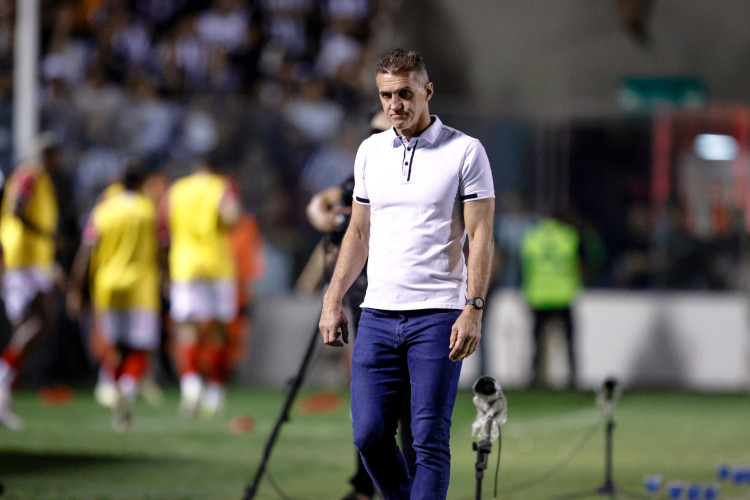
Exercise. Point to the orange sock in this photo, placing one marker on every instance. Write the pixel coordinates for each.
(187, 358)
(135, 364)
(12, 362)
(218, 357)
(14, 358)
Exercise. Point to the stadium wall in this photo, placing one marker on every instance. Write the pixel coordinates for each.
(696, 341)
(552, 54)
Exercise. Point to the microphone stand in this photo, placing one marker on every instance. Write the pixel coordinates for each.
(483, 449)
(485, 388)
(608, 487)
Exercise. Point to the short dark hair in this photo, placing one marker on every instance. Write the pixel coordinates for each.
(134, 175)
(213, 160)
(398, 60)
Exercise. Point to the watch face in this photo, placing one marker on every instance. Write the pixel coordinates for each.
(476, 302)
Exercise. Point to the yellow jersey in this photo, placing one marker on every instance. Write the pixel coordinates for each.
(124, 263)
(112, 189)
(200, 247)
(30, 185)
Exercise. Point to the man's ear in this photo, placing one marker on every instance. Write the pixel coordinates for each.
(429, 90)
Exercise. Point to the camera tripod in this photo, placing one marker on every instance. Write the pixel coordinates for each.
(294, 386)
(608, 396)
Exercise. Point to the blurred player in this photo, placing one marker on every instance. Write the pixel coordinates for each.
(201, 209)
(154, 187)
(120, 254)
(247, 247)
(28, 223)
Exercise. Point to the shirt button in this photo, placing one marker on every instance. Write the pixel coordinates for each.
(406, 163)
(408, 149)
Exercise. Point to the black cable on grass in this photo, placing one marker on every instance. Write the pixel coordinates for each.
(524, 485)
(275, 486)
(497, 467)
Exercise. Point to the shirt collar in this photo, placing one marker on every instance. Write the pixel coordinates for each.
(428, 135)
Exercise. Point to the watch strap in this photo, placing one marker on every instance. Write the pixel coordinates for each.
(475, 302)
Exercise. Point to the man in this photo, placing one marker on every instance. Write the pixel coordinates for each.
(551, 281)
(28, 224)
(201, 210)
(420, 189)
(120, 254)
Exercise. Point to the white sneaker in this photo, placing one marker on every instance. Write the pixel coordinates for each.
(106, 394)
(191, 388)
(212, 401)
(8, 418)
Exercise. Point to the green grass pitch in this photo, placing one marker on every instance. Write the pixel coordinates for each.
(552, 444)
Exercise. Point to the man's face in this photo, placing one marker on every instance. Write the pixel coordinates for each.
(405, 97)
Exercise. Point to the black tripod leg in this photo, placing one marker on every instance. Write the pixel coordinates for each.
(251, 490)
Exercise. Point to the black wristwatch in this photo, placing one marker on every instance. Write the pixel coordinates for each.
(476, 303)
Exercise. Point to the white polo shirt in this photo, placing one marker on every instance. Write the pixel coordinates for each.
(416, 191)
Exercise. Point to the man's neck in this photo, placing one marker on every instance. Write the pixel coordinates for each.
(421, 127)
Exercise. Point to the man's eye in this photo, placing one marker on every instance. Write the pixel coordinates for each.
(405, 95)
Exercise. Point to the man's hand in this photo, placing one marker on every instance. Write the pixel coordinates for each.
(465, 334)
(333, 324)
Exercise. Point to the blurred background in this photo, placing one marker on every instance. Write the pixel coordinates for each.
(632, 116)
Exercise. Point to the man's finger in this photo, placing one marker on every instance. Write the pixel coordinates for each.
(457, 345)
(331, 336)
(472, 347)
(454, 337)
(345, 333)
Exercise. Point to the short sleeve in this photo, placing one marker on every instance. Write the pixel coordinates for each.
(476, 174)
(360, 189)
(26, 185)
